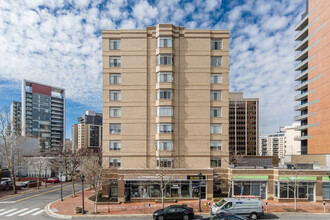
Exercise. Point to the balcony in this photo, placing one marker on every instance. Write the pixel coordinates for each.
(302, 55)
(301, 138)
(302, 96)
(302, 45)
(304, 21)
(304, 32)
(301, 86)
(57, 101)
(303, 74)
(304, 127)
(303, 117)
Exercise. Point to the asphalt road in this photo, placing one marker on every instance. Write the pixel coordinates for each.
(31, 206)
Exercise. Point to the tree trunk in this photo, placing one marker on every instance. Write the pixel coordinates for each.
(38, 178)
(73, 189)
(96, 200)
(14, 180)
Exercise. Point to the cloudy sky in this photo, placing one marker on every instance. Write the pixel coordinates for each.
(58, 42)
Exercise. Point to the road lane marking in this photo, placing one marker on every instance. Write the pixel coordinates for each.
(25, 213)
(8, 202)
(1, 210)
(7, 211)
(40, 194)
(37, 213)
(19, 211)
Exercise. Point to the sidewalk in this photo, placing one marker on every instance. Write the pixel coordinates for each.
(67, 206)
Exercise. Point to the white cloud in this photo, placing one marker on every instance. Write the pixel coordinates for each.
(60, 45)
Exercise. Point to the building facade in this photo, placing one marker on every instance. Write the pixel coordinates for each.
(313, 77)
(165, 106)
(281, 144)
(87, 134)
(43, 114)
(16, 117)
(243, 124)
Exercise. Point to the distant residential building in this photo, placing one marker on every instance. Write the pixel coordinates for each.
(43, 114)
(280, 144)
(74, 137)
(313, 77)
(88, 132)
(243, 124)
(16, 116)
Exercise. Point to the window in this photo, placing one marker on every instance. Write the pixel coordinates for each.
(164, 145)
(115, 78)
(164, 162)
(115, 62)
(115, 145)
(276, 189)
(164, 42)
(165, 111)
(215, 129)
(216, 44)
(216, 78)
(164, 94)
(215, 111)
(115, 128)
(215, 145)
(114, 162)
(326, 191)
(215, 61)
(165, 59)
(165, 128)
(115, 112)
(164, 77)
(215, 162)
(115, 95)
(114, 44)
(215, 95)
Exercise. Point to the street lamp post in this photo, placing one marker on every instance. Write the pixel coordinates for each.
(200, 191)
(82, 184)
(61, 187)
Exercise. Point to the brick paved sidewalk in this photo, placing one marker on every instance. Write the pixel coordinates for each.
(67, 206)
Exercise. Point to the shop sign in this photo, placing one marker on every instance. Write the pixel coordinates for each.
(195, 177)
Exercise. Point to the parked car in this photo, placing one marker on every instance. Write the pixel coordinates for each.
(249, 207)
(52, 180)
(174, 212)
(24, 184)
(6, 183)
(225, 216)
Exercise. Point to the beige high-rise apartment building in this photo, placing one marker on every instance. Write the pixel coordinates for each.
(314, 77)
(165, 112)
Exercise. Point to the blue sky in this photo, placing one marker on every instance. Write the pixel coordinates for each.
(58, 42)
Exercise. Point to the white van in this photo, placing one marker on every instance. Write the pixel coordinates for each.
(250, 207)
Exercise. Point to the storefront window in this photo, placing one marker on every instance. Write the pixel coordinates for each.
(326, 191)
(249, 188)
(276, 189)
(217, 188)
(287, 190)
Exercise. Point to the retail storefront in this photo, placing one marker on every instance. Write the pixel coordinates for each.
(326, 188)
(303, 186)
(139, 189)
(250, 185)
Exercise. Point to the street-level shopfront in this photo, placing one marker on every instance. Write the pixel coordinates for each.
(176, 189)
(326, 188)
(255, 185)
(288, 185)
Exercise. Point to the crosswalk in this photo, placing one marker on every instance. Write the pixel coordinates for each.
(20, 212)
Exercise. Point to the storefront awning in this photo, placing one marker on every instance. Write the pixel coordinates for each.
(299, 178)
(250, 177)
(326, 178)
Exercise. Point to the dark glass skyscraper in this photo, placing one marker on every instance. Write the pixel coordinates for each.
(43, 114)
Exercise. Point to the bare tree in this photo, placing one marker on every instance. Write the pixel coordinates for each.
(291, 184)
(69, 163)
(92, 169)
(9, 142)
(37, 161)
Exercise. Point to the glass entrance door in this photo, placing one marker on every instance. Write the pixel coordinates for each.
(310, 192)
